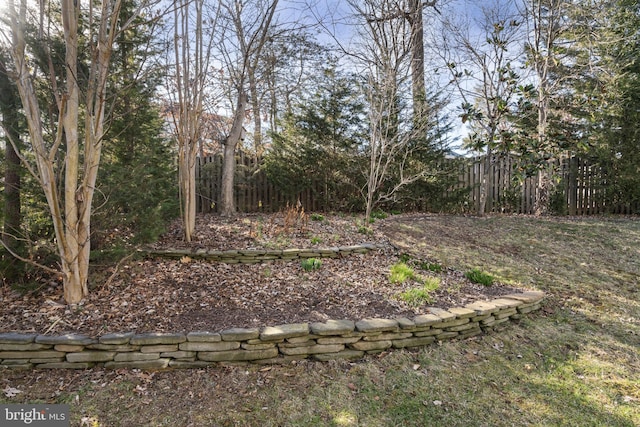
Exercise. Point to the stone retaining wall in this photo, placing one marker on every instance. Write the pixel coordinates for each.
(334, 339)
(254, 256)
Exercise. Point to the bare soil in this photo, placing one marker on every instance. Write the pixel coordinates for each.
(155, 294)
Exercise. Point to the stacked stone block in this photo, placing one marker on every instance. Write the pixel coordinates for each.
(333, 339)
(254, 256)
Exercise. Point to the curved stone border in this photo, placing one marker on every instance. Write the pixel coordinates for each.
(334, 339)
(253, 256)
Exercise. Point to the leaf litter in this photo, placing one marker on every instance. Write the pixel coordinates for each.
(169, 295)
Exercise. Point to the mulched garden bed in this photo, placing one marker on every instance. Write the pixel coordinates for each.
(180, 295)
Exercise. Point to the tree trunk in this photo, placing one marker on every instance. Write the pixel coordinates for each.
(484, 184)
(227, 199)
(543, 190)
(187, 183)
(417, 61)
(74, 280)
(257, 113)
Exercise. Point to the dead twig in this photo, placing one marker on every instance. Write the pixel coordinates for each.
(116, 270)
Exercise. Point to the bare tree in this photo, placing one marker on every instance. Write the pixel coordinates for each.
(244, 37)
(386, 57)
(411, 11)
(192, 59)
(70, 199)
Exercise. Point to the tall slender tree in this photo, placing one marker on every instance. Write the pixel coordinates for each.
(244, 36)
(384, 59)
(548, 24)
(412, 11)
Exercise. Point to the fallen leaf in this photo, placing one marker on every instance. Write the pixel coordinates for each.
(11, 392)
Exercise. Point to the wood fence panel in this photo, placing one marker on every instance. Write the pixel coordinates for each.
(582, 185)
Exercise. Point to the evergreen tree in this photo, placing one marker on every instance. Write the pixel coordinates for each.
(319, 143)
(11, 224)
(137, 176)
(613, 98)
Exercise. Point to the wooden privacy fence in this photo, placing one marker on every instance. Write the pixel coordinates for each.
(253, 192)
(578, 188)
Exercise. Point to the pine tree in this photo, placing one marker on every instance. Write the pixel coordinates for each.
(137, 176)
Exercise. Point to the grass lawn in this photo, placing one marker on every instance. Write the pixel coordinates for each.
(574, 363)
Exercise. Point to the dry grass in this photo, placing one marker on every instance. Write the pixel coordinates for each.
(575, 363)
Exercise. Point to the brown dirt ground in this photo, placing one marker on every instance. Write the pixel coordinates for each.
(156, 294)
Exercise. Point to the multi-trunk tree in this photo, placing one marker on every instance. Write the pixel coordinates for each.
(192, 49)
(398, 126)
(74, 146)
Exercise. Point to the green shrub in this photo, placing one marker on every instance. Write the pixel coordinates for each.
(377, 215)
(311, 264)
(317, 217)
(478, 276)
(315, 240)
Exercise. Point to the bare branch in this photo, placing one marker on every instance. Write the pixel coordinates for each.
(23, 259)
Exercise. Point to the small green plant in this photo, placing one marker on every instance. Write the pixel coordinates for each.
(311, 264)
(431, 283)
(478, 276)
(363, 229)
(378, 215)
(431, 266)
(418, 296)
(401, 272)
(317, 217)
(315, 240)
(405, 258)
